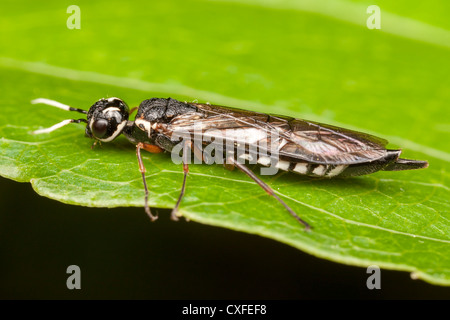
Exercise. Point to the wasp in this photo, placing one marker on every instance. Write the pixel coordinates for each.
(299, 146)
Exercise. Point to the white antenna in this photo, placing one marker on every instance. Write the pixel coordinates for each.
(56, 104)
(59, 105)
(54, 127)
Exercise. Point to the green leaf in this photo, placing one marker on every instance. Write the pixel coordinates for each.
(299, 59)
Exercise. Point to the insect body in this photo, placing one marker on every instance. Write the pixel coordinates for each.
(299, 146)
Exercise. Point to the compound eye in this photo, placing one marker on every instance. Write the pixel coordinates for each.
(99, 128)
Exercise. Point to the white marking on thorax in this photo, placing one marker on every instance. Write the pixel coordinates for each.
(143, 123)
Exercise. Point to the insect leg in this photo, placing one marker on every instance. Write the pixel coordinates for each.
(229, 167)
(268, 189)
(95, 143)
(140, 146)
(133, 110)
(188, 144)
(151, 148)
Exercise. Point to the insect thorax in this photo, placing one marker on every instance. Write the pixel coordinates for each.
(155, 112)
(158, 110)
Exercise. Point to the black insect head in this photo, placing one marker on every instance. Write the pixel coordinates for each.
(106, 119)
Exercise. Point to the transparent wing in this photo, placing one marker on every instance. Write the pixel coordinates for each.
(295, 139)
(317, 142)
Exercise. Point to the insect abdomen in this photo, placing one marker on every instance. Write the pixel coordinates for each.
(388, 163)
(304, 168)
(317, 170)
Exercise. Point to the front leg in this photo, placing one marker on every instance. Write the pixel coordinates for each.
(152, 149)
